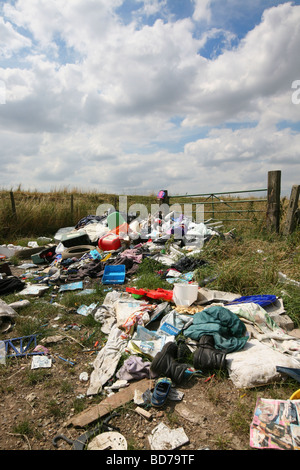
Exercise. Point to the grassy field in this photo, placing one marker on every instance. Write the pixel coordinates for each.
(33, 213)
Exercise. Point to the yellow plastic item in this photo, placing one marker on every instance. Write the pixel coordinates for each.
(296, 395)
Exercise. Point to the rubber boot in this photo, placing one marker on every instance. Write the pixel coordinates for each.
(207, 357)
(165, 363)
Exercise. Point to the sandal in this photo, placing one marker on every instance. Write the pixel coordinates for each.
(161, 391)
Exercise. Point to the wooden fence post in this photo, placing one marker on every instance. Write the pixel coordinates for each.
(13, 205)
(293, 205)
(273, 198)
(72, 206)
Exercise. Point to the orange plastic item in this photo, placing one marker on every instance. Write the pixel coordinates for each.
(124, 228)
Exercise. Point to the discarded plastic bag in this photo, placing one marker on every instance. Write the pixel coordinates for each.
(146, 342)
(256, 365)
(7, 317)
(185, 294)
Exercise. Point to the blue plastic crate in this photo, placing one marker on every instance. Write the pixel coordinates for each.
(114, 274)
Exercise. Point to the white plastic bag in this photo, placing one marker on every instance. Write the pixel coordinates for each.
(256, 365)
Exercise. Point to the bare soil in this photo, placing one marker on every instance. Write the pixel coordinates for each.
(204, 412)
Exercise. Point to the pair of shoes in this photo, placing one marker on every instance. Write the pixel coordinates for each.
(161, 391)
(207, 357)
(165, 363)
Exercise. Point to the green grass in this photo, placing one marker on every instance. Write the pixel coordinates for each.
(55, 409)
(24, 428)
(42, 214)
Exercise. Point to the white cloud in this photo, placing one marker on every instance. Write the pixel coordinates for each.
(151, 7)
(261, 68)
(202, 10)
(99, 101)
(10, 40)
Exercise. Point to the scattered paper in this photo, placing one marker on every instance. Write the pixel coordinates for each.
(164, 438)
(41, 362)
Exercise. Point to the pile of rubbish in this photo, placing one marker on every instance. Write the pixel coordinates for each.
(169, 335)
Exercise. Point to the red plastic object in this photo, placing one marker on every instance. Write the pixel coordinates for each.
(109, 242)
(160, 294)
(133, 290)
(153, 294)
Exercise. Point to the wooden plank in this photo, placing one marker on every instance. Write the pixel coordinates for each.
(110, 403)
(13, 204)
(293, 205)
(273, 198)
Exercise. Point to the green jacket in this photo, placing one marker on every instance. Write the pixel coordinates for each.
(226, 328)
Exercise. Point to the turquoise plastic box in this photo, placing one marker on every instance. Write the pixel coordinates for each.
(114, 274)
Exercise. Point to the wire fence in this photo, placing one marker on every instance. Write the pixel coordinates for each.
(227, 206)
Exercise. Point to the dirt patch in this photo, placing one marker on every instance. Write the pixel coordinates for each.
(35, 410)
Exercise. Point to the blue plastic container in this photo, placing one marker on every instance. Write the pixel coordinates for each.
(114, 274)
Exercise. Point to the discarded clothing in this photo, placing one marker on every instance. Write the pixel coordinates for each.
(130, 265)
(186, 264)
(93, 269)
(10, 285)
(226, 328)
(106, 361)
(134, 368)
(133, 254)
(291, 371)
(90, 219)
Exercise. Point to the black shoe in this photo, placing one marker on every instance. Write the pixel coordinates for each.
(165, 363)
(207, 341)
(207, 357)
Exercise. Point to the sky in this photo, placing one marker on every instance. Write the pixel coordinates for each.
(135, 96)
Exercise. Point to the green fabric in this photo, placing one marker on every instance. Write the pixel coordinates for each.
(226, 328)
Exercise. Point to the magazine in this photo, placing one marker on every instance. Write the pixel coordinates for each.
(276, 424)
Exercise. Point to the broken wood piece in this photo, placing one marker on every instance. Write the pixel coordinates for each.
(143, 413)
(292, 209)
(110, 403)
